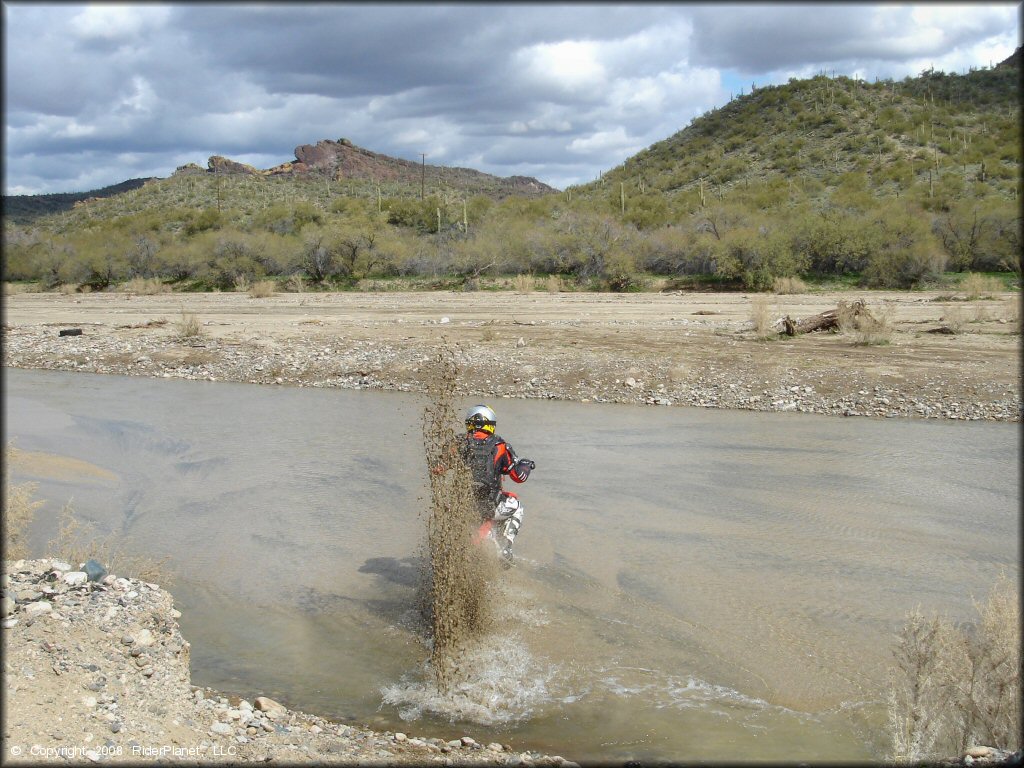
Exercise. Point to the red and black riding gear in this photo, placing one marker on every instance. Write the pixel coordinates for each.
(489, 458)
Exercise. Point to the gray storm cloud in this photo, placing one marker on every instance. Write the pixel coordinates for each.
(97, 94)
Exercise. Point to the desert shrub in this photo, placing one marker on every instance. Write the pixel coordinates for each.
(145, 286)
(789, 285)
(78, 541)
(865, 327)
(953, 317)
(977, 286)
(75, 542)
(831, 242)
(295, 283)
(235, 256)
(761, 317)
(904, 252)
(205, 220)
(188, 327)
(957, 685)
(523, 283)
(757, 257)
(262, 289)
(285, 219)
(19, 509)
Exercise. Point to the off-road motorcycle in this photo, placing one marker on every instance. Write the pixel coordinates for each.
(494, 529)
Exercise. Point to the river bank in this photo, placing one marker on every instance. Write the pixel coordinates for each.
(656, 349)
(98, 671)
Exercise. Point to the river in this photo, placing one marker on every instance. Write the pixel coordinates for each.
(691, 584)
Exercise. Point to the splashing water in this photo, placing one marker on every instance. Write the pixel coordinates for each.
(455, 585)
(503, 682)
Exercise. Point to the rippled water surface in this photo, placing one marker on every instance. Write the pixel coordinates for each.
(691, 584)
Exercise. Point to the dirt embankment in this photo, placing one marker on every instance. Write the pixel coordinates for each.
(97, 671)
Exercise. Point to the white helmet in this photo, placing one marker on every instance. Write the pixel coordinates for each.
(481, 417)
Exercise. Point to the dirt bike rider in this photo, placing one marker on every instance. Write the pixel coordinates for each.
(489, 457)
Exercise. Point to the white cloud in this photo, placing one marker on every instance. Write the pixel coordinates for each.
(571, 66)
(601, 141)
(118, 22)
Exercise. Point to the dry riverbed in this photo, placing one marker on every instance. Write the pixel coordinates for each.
(696, 349)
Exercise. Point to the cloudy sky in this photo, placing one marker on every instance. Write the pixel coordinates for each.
(96, 94)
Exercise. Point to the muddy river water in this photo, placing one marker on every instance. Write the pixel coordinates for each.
(690, 584)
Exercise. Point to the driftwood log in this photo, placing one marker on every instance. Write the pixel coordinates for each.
(826, 321)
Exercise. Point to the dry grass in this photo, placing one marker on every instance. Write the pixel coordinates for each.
(868, 328)
(762, 318)
(789, 285)
(553, 284)
(75, 542)
(145, 286)
(188, 327)
(981, 286)
(953, 317)
(67, 289)
(956, 686)
(19, 510)
(262, 289)
(241, 284)
(295, 284)
(523, 283)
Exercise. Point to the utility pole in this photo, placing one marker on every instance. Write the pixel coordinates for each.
(423, 172)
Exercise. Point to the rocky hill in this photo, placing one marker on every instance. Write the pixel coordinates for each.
(334, 161)
(342, 160)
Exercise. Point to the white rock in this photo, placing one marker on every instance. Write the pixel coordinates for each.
(60, 565)
(445, 320)
(35, 609)
(89, 701)
(222, 728)
(144, 638)
(76, 578)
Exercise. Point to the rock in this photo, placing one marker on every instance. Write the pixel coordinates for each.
(977, 752)
(7, 606)
(27, 595)
(60, 565)
(144, 638)
(75, 578)
(94, 570)
(222, 728)
(495, 747)
(268, 706)
(467, 741)
(630, 382)
(445, 321)
(521, 342)
(36, 609)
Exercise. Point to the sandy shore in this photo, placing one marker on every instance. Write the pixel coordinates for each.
(696, 349)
